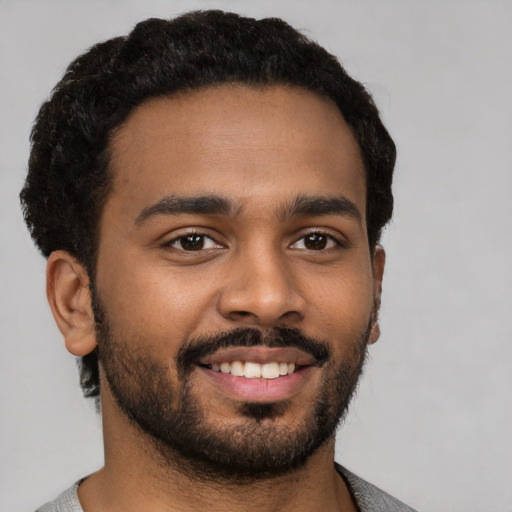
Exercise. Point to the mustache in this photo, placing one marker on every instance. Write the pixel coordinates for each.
(197, 348)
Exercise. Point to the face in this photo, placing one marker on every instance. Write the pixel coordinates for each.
(234, 290)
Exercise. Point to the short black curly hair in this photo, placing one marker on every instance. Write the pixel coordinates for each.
(68, 179)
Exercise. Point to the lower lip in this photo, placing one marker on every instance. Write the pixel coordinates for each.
(258, 390)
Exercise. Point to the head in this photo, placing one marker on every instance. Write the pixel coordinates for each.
(200, 74)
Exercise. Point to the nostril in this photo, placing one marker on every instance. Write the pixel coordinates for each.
(243, 314)
(290, 314)
(248, 316)
(261, 305)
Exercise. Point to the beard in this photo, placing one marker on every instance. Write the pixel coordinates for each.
(255, 445)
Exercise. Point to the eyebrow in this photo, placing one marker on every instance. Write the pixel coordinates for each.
(217, 205)
(321, 205)
(175, 205)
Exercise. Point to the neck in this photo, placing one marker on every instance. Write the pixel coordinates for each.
(135, 478)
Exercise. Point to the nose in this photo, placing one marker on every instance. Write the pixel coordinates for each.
(262, 291)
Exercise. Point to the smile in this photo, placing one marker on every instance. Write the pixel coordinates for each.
(254, 370)
(258, 374)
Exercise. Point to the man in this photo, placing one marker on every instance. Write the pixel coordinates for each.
(210, 192)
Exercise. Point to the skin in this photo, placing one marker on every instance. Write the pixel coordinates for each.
(261, 148)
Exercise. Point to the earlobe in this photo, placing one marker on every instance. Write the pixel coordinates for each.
(378, 263)
(67, 289)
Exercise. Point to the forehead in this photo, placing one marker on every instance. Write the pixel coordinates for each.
(245, 143)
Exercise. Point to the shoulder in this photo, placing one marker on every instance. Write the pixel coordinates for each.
(370, 498)
(65, 502)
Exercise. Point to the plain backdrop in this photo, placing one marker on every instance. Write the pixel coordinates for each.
(432, 420)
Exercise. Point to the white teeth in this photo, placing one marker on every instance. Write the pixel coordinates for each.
(251, 370)
(270, 370)
(237, 368)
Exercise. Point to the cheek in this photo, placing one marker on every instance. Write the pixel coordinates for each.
(153, 301)
(340, 306)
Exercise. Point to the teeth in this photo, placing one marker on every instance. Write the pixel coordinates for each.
(270, 370)
(251, 370)
(237, 368)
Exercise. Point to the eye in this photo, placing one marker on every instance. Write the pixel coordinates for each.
(193, 242)
(316, 242)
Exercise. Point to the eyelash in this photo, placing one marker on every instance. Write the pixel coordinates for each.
(188, 235)
(329, 236)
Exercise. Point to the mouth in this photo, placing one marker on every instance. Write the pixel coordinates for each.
(254, 370)
(258, 374)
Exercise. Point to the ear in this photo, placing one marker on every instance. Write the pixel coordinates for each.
(378, 262)
(67, 289)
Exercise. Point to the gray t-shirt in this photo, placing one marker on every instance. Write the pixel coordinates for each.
(367, 497)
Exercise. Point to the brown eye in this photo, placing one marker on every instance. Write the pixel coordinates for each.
(192, 242)
(315, 241)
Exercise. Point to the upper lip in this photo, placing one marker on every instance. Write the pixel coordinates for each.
(259, 355)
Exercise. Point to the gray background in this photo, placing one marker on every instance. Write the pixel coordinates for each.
(431, 423)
